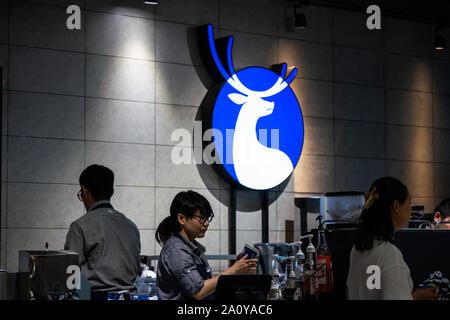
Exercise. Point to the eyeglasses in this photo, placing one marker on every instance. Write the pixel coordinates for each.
(203, 219)
(79, 195)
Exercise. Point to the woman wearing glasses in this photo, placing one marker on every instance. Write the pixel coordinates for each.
(183, 270)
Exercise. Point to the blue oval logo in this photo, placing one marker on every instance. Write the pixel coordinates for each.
(260, 123)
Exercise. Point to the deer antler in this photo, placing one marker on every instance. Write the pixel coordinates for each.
(234, 81)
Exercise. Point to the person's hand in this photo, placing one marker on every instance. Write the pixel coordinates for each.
(426, 294)
(244, 266)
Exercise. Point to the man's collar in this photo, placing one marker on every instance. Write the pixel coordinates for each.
(196, 247)
(97, 204)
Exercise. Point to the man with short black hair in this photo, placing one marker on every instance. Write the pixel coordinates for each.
(442, 214)
(108, 243)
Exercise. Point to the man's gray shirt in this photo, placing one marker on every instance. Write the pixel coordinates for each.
(182, 268)
(109, 247)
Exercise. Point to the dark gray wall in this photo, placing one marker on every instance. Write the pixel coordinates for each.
(375, 103)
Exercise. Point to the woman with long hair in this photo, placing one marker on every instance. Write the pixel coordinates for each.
(386, 210)
(183, 271)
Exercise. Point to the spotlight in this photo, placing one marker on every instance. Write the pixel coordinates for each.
(300, 18)
(154, 2)
(439, 41)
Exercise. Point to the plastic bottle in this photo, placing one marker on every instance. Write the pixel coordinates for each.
(291, 287)
(298, 269)
(299, 258)
(324, 267)
(310, 283)
(288, 284)
(275, 292)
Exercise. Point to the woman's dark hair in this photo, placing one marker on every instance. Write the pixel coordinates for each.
(165, 230)
(99, 180)
(376, 221)
(443, 208)
(186, 203)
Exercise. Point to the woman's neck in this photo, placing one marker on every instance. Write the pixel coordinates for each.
(186, 236)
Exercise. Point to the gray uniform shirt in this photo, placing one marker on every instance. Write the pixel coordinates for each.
(109, 247)
(182, 269)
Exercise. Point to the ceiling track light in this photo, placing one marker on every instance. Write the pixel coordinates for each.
(153, 3)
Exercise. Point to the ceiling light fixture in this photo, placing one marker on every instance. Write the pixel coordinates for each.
(439, 41)
(300, 18)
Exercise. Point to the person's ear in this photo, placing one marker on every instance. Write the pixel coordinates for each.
(396, 206)
(181, 219)
(112, 193)
(437, 217)
(85, 191)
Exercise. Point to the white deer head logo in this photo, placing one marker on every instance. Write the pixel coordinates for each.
(256, 166)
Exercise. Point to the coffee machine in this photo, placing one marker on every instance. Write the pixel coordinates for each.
(341, 209)
(47, 272)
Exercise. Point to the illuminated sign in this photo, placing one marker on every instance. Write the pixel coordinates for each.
(255, 116)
